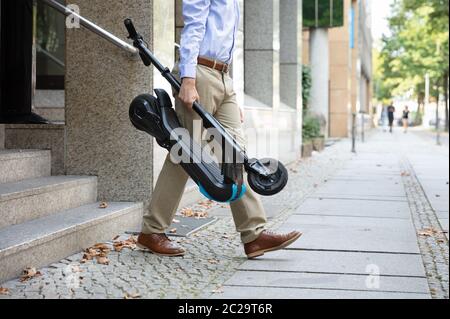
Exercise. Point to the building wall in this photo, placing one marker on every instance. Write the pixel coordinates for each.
(340, 77)
(350, 68)
(101, 82)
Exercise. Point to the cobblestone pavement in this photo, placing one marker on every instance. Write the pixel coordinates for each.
(425, 208)
(214, 253)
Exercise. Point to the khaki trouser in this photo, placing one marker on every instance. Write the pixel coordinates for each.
(218, 97)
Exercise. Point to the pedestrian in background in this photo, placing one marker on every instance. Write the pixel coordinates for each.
(391, 116)
(405, 119)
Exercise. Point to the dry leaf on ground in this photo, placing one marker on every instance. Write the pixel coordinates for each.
(206, 204)
(102, 260)
(405, 174)
(4, 291)
(429, 232)
(97, 251)
(187, 212)
(173, 231)
(103, 205)
(130, 243)
(218, 290)
(29, 273)
(213, 261)
(132, 296)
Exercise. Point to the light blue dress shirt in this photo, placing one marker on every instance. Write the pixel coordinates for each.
(210, 30)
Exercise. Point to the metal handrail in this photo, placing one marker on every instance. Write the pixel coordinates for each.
(92, 27)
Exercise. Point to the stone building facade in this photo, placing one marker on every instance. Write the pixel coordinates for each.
(350, 69)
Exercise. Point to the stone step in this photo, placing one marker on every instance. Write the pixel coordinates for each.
(40, 242)
(17, 165)
(52, 113)
(34, 198)
(50, 104)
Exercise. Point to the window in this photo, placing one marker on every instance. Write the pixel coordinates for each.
(323, 13)
(50, 47)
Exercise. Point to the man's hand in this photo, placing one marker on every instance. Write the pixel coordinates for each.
(188, 93)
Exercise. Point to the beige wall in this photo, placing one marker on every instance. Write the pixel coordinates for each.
(344, 80)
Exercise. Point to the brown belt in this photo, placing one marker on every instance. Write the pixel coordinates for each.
(216, 65)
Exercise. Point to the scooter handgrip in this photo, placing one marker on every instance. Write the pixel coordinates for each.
(131, 29)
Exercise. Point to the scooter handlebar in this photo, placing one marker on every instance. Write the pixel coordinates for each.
(131, 29)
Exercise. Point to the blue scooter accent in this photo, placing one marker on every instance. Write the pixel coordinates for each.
(233, 198)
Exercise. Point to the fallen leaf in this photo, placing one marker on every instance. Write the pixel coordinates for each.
(130, 243)
(76, 269)
(102, 260)
(132, 296)
(213, 261)
(4, 291)
(201, 214)
(429, 232)
(102, 247)
(103, 205)
(29, 273)
(218, 290)
(187, 212)
(173, 231)
(405, 174)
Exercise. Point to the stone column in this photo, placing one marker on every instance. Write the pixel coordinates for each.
(291, 53)
(320, 72)
(101, 82)
(262, 50)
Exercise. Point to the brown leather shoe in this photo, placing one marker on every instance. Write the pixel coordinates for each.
(269, 241)
(159, 244)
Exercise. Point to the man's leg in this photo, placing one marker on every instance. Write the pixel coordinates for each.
(166, 197)
(172, 180)
(248, 213)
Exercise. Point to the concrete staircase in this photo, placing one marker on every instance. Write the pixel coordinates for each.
(44, 218)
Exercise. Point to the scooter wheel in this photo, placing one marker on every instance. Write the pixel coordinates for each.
(272, 184)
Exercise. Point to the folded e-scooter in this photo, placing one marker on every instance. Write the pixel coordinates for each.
(223, 183)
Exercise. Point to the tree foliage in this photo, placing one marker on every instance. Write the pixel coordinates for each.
(418, 45)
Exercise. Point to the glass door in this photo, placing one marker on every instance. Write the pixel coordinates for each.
(50, 47)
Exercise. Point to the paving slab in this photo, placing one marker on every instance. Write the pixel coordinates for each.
(333, 262)
(444, 223)
(358, 188)
(442, 214)
(340, 207)
(296, 293)
(329, 281)
(353, 234)
(366, 198)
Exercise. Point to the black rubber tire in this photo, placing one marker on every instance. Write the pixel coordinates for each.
(272, 185)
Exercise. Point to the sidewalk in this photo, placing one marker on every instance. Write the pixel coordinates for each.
(371, 223)
(360, 230)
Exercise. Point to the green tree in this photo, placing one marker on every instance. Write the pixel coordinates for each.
(418, 45)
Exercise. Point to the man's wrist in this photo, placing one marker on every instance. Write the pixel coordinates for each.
(188, 80)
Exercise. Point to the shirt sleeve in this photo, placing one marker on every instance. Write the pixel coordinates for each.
(195, 14)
